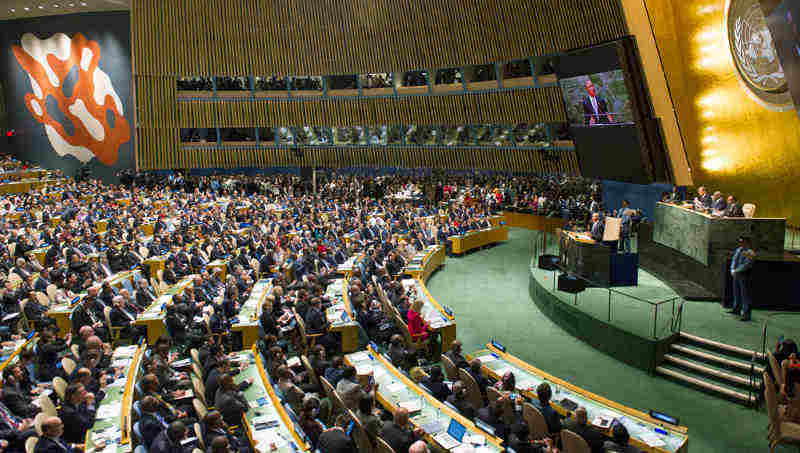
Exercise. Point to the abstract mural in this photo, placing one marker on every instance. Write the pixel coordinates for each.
(92, 105)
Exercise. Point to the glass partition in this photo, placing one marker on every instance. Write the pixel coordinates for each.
(517, 73)
(306, 86)
(448, 80)
(285, 136)
(454, 135)
(377, 84)
(232, 86)
(396, 134)
(421, 135)
(481, 77)
(266, 136)
(413, 82)
(245, 135)
(342, 85)
(271, 86)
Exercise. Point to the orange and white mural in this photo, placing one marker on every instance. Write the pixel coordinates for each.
(47, 63)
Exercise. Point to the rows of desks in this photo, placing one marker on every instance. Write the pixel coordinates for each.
(424, 263)
(266, 422)
(437, 318)
(248, 321)
(153, 318)
(111, 432)
(340, 314)
(62, 313)
(647, 434)
(476, 239)
(395, 390)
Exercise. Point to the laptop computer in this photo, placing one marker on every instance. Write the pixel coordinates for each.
(452, 437)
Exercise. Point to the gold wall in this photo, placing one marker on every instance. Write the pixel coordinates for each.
(174, 38)
(734, 143)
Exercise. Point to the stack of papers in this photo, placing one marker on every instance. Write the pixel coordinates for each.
(109, 410)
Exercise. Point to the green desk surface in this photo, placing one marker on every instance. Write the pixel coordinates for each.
(394, 391)
(251, 309)
(527, 380)
(430, 311)
(109, 427)
(263, 408)
(339, 305)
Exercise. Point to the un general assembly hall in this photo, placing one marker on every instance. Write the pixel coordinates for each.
(360, 226)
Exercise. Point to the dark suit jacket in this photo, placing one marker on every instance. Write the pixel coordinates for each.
(734, 210)
(18, 404)
(591, 436)
(335, 440)
(550, 416)
(150, 428)
(463, 405)
(597, 231)
(48, 445)
(400, 439)
(719, 205)
(231, 406)
(602, 111)
(77, 420)
(162, 444)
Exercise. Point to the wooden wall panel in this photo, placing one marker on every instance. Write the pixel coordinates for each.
(336, 157)
(173, 38)
(240, 37)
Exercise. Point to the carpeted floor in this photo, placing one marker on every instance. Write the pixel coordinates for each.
(488, 290)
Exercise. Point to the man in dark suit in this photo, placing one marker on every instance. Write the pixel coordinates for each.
(51, 441)
(718, 203)
(734, 209)
(455, 356)
(579, 426)
(703, 198)
(169, 440)
(151, 423)
(597, 227)
(544, 393)
(398, 434)
(460, 401)
(78, 412)
(335, 438)
(18, 403)
(595, 108)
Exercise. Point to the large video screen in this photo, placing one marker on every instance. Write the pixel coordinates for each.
(597, 99)
(783, 21)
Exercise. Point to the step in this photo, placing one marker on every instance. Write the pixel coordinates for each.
(738, 395)
(702, 368)
(725, 361)
(724, 346)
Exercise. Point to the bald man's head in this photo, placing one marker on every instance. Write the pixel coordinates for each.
(418, 447)
(581, 416)
(401, 416)
(52, 427)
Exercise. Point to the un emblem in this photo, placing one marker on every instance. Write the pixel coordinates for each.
(757, 62)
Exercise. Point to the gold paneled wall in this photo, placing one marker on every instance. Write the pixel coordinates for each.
(395, 156)
(734, 143)
(174, 38)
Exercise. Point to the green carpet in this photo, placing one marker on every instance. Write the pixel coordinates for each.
(488, 290)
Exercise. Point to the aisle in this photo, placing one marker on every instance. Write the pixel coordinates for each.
(488, 290)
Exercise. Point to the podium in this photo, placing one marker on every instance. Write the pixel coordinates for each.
(585, 257)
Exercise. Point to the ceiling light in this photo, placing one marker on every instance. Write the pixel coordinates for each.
(83, 3)
(27, 9)
(41, 7)
(55, 5)
(13, 10)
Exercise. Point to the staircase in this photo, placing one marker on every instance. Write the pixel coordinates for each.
(714, 367)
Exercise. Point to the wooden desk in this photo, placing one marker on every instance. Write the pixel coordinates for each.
(101, 225)
(424, 263)
(339, 295)
(434, 314)
(395, 388)
(62, 313)
(640, 425)
(222, 265)
(156, 263)
(153, 318)
(119, 401)
(248, 321)
(476, 239)
(40, 253)
(533, 221)
(147, 228)
(283, 435)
